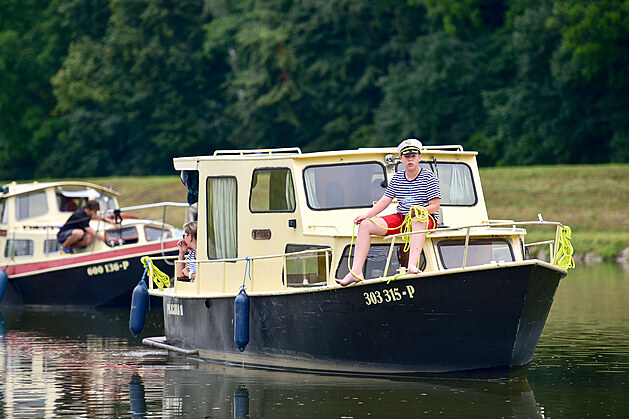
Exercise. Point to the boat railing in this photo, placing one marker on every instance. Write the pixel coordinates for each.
(468, 230)
(249, 263)
(256, 152)
(491, 224)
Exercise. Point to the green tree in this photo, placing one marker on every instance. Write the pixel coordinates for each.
(32, 46)
(143, 93)
(436, 94)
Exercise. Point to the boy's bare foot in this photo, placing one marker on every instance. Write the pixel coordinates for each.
(349, 279)
(412, 269)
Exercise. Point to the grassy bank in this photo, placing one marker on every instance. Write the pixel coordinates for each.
(592, 200)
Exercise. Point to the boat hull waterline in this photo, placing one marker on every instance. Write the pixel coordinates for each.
(477, 322)
(91, 280)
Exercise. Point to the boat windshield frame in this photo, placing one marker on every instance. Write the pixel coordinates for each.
(344, 185)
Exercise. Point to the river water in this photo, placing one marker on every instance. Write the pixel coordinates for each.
(77, 363)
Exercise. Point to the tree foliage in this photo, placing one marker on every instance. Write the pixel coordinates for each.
(104, 87)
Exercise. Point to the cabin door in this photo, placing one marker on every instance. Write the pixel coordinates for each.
(222, 213)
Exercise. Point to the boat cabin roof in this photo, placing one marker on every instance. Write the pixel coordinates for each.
(70, 189)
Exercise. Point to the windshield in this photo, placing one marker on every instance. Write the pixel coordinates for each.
(455, 182)
(338, 186)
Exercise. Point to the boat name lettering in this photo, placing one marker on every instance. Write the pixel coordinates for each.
(107, 268)
(388, 295)
(174, 309)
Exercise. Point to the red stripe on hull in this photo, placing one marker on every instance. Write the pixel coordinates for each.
(64, 262)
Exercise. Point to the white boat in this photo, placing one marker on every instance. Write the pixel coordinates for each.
(278, 224)
(101, 274)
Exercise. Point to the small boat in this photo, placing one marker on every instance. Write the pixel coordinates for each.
(275, 231)
(35, 273)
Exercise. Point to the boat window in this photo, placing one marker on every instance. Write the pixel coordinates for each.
(3, 211)
(222, 213)
(272, 190)
(480, 252)
(51, 246)
(377, 260)
(353, 185)
(121, 235)
(18, 247)
(156, 233)
(455, 182)
(106, 202)
(31, 205)
(306, 269)
(70, 199)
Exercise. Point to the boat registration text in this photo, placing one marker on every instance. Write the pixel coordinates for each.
(107, 268)
(388, 295)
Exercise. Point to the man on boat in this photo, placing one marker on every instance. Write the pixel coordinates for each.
(413, 187)
(76, 232)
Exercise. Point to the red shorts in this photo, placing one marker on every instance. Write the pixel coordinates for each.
(396, 220)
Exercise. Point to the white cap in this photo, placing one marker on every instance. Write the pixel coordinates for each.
(410, 145)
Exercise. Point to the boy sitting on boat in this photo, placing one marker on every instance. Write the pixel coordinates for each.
(76, 232)
(412, 187)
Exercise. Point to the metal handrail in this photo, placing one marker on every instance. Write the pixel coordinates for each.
(258, 152)
(327, 250)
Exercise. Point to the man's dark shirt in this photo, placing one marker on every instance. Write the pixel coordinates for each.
(77, 220)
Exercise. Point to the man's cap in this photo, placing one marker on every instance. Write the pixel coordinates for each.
(409, 146)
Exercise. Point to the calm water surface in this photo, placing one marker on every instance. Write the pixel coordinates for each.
(71, 363)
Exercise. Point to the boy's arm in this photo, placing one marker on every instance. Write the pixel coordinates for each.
(380, 206)
(433, 205)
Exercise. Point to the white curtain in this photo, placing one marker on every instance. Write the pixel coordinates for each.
(290, 196)
(460, 186)
(310, 189)
(222, 226)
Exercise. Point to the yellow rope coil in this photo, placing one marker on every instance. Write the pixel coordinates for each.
(160, 279)
(563, 258)
(416, 214)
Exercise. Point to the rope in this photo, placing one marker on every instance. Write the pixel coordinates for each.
(416, 214)
(247, 270)
(160, 279)
(563, 258)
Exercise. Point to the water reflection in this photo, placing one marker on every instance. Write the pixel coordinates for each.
(85, 363)
(238, 392)
(581, 364)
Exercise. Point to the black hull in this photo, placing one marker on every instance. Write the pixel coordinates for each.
(99, 283)
(477, 322)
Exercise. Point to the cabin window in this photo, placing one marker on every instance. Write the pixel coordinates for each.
(377, 260)
(455, 182)
(51, 246)
(480, 252)
(336, 186)
(306, 269)
(156, 233)
(70, 199)
(18, 247)
(31, 205)
(3, 211)
(222, 221)
(272, 190)
(121, 235)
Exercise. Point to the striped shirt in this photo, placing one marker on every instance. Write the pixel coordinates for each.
(418, 191)
(192, 266)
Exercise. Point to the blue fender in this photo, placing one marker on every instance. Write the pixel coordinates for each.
(241, 320)
(139, 304)
(4, 282)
